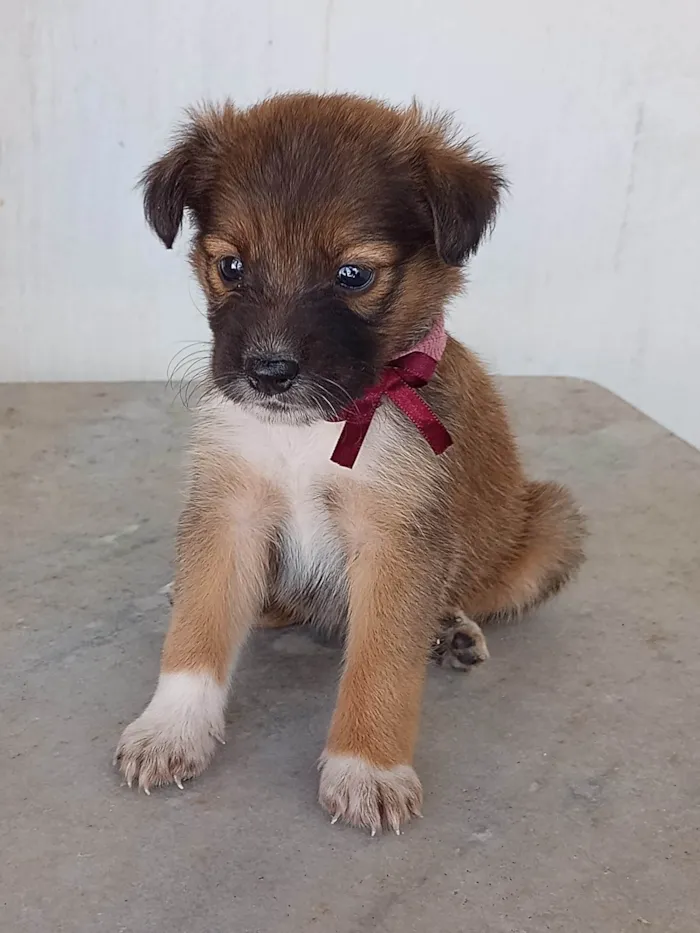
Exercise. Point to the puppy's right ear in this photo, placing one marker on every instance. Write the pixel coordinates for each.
(177, 181)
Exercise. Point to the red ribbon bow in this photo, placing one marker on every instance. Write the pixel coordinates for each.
(399, 382)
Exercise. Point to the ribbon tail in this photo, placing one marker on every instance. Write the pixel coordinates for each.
(422, 415)
(349, 443)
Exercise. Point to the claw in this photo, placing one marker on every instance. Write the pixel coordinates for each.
(219, 739)
(335, 819)
(374, 830)
(398, 832)
(128, 783)
(179, 783)
(146, 790)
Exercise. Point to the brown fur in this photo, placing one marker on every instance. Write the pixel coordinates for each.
(223, 548)
(298, 186)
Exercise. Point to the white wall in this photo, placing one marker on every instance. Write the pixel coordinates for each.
(594, 269)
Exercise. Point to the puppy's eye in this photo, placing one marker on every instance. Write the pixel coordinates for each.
(231, 269)
(354, 278)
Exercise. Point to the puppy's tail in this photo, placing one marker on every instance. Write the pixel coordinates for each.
(550, 553)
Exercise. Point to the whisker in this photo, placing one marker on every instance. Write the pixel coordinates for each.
(316, 402)
(351, 403)
(183, 360)
(186, 388)
(336, 385)
(204, 314)
(191, 345)
(194, 371)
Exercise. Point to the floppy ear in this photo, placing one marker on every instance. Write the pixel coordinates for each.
(463, 190)
(177, 181)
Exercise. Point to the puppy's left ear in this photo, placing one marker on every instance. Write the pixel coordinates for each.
(463, 190)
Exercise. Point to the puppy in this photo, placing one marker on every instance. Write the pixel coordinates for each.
(352, 465)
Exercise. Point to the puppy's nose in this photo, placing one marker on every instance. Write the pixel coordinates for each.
(271, 374)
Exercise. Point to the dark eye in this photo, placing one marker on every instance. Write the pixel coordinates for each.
(354, 277)
(231, 269)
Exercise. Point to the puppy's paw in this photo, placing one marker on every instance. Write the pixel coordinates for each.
(461, 643)
(356, 792)
(174, 739)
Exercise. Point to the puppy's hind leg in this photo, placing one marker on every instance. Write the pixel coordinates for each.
(550, 554)
(460, 643)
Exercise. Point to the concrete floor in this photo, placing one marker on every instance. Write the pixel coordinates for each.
(562, 779)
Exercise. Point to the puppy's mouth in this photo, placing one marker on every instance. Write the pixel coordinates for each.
(306, 401)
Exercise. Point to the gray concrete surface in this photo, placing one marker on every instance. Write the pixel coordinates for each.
(562, 778)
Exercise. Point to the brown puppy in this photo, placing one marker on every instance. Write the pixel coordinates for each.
(329, 234)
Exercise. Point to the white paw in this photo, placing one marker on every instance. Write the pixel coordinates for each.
(358, 793)
(175, 736)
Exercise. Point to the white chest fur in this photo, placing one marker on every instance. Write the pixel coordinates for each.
(296, 459)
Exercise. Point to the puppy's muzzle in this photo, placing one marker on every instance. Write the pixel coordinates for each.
(271, 375)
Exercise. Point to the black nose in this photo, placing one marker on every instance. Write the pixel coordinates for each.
(271, 375)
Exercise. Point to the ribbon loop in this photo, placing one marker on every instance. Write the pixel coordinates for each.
(398, 383)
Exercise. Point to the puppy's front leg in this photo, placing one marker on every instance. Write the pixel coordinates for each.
(223, 543)
(366, 774)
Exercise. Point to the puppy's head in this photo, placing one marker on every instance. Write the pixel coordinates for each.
(330, 230)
